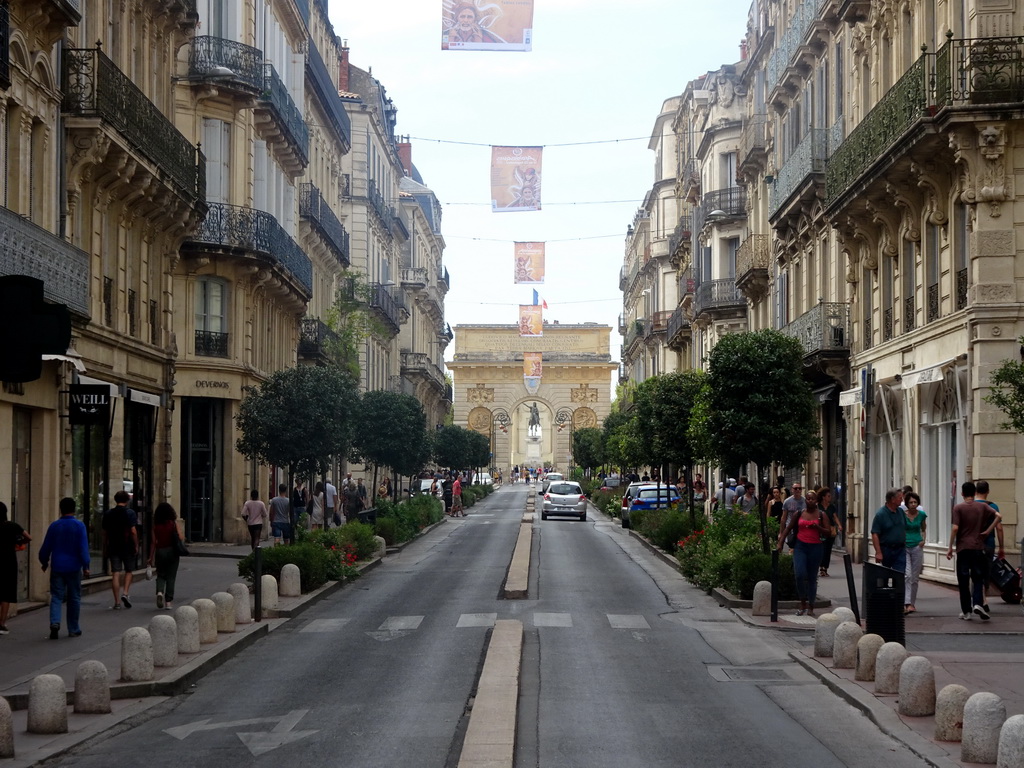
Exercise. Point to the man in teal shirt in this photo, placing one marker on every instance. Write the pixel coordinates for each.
(889, 532)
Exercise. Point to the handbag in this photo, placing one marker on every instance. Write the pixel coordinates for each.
(179, 545)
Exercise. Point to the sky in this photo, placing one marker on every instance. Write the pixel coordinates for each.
(599, 71)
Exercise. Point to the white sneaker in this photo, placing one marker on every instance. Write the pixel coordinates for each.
(966, 616)
(159, 601)
(982, 614)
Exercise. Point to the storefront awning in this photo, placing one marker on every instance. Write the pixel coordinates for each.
(849, 397)
(927, 375)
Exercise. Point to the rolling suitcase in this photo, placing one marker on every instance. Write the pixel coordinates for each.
(1007, 580)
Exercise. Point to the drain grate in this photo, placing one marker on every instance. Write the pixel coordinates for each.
(749, 674)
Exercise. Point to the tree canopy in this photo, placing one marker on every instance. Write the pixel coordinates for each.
(588, 447)
(451, 447)
(392, 431)
(663, 412)
(1007, 382)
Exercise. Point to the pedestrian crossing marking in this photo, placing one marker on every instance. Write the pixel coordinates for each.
(552, 620)
(477, 620)
(398, 623)
(627, 621)
(324, 625)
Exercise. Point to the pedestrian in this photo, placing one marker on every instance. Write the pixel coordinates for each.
(331, 506)
(361, 493)
(773, 504)
(916, 530)
(384, 489)
(888, 532)
(163, 552)
(700, 495)
(316, 517)
(65, 552)
(280, 516)
(254, 512)
(12, 537)
(835, 527)
(121, 546)
(457, 508)
(994, 538)
(446, 493)
(791, 509)
(300, 498)
(724, 498)
(809, 525)
(748, 501)
(972, 521)
(354, 502)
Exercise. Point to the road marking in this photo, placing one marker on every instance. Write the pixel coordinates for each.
(552, 620)
(627, 621)
(477, 620)
(256, 742)
(324, 625)
(395, 623)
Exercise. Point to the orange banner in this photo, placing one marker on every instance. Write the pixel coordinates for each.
(515, 178)
(533, 364)
(486, 25)
(531, 321)
(529, 269)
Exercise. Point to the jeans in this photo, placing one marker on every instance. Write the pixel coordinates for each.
(895, 557)
(970, 573)
(915, 562)
(66, 584)
(167, 560)
(806, 561)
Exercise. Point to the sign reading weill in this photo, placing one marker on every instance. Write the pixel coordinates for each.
(89, 404)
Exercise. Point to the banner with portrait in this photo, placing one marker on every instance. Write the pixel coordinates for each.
(529, 267)
(515, 178)
(486, 25)
(531, 321)
(533, 364)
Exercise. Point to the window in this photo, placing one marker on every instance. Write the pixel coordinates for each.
(909, 285)
(728, 170)
(888, 316)
(217, 148)
(931, 269)
(960, 253)
(211, 317)
(869, 307)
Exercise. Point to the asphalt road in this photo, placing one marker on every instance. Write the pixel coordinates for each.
(624, 665)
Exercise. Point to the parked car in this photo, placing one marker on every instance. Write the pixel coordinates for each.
(549, 478)
(610, 482)
(647, 496)
(424, 487)
(564, 497)
(483, 478)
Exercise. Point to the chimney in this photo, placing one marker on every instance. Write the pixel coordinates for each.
(343, 68)
(405, 155)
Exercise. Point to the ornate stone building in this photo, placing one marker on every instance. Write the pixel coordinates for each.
(492, 397)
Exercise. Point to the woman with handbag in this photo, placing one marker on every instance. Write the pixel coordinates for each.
(166, 545)
(12, 538)
(835, 527)
(809, 525)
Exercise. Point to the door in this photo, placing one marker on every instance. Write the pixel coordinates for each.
(21, 485)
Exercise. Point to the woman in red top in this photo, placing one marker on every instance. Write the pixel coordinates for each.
(162, 548)
(810, 527)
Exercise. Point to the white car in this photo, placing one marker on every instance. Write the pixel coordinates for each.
(564, 497)
(424, 487)
(483, 478)
(549, 478)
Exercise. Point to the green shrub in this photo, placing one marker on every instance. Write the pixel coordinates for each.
(609, 502)
(710, 558)
(387, 529)
(313, 560)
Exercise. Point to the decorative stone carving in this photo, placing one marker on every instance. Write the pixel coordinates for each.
(480, 394)
(480, 420)
(983, 165)
(584, 418)
(584, 394)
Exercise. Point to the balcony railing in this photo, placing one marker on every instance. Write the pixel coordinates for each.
(933, 302)
(986, 70)
(326, 91)
(415, 277)
(683, 233)
(442, 278)
(754, 253)
(677, 322)
(824, 328)
(5, 44)
(687, 285)
(421, 364)
(211, 344)
(807, 159)
(385, 212)
(234, 226)
(94, 87)
(689, 178)
(313, 207)
(961, 288)
(909, 314)
(317, 340)
(289, 117)
(718, 295)
(226, 61)
(791, 40)
(634, 331)
(382, 300)
(754, 138)
(732, 201)
(28, 249)
(657, 322)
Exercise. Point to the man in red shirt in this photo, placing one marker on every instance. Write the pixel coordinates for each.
(457, 498)
(972, 522)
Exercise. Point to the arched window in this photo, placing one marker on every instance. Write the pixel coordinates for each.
(211, 326)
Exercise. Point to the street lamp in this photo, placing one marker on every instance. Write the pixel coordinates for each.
(563, 419)
(501, 420)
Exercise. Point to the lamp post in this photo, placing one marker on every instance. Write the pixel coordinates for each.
(501, 420)
(563, 419)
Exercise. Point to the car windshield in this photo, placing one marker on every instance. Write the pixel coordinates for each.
(654, 493)
(564, 489)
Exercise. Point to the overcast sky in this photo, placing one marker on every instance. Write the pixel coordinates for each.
(599, 70)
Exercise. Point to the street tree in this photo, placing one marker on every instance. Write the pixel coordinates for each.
(1007, 382)
(298, 418)
(588, 447)
(479, 446)
(621, 444)
(391, 431)
(451, 447)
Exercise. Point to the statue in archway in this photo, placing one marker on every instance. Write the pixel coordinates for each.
(534, 430)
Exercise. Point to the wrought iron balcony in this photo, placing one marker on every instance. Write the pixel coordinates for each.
(313, 207)
(383, 302)
(446, 332)
(909, 314)
(442, 279)
(752, 260)
(754, 141)
(289, 118)
(255, 232)
(961, 288)
(326, 90)
(789, 44)
(419, 364)
(28, 249)
(682, 235)
(226, 62)
(94, 87)
(384, 212)
(824, 329)
(686, 285)
(415, 277)
(634, 331)
(807, 159)
(677, 329)
(731, 201)
(933, 302)
(212, 344)
(5, 45)
(317, 341)
(689, 180)
(720, 296)
(985, 70)
(657, 322)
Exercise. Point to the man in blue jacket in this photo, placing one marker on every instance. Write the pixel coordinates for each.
(65, 552)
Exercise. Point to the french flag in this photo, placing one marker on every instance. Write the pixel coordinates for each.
(538, 300)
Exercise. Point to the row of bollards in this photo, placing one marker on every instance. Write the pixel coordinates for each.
(977, 721)
(143, 649)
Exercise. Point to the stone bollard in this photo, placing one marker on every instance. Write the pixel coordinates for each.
(844, 651)
(949, 712)
(243, 609)
(1011, 743)
(207, 611)
(136, 655)
(867, 653)
(844, 614)
(984, 715)
(225, 609)
(887, 667)
(825, 635)
(6, 729)
(269, 584)
(291, 581)
(92, 689)
(47, 705)
(381, 547)
(762, 599)
(163, 630)
(186, 620)
(917, 688)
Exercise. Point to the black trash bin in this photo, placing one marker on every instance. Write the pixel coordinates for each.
(883, 603)
(368, 516)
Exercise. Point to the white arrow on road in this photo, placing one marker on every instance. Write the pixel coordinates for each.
(257, 743)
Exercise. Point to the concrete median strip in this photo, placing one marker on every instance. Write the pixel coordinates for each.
(517, 580)
(491, 735)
